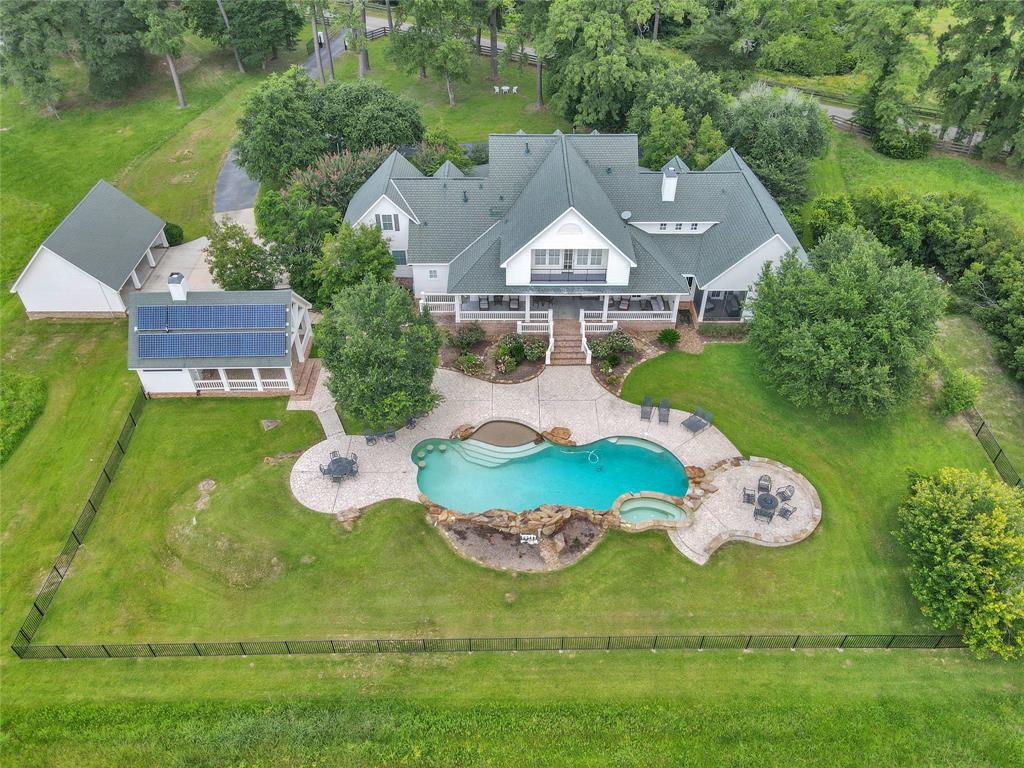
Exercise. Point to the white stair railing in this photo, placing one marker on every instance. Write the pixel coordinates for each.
(594, 327)
(540, 321)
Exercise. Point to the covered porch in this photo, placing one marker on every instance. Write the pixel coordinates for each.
(241, 379)
(658, 308)
(721, 306)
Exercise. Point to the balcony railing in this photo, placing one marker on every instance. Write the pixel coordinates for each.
(569, 276)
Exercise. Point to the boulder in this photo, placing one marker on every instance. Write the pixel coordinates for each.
(559, 435)
(694, 473)
(558, 542)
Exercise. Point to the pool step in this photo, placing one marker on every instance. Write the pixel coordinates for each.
(486, 455)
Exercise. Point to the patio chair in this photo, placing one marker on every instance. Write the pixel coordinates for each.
(484, 303)
(624, 304)
(353, 458)
(708, 417)
(389, 435)
(749, 497)
(354, 471)
(515, 89)
(323, 469)
(764, 515)
(336, 478)
(785, 493)
(697, 421)
(505, 89)
(513, 303)
(335, 454)
(371, 438)
(657, 304)
(786, 511)
(497, 89)
(646, 408)
(764, 484)
(663, 411)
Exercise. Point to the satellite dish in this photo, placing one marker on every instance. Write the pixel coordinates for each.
(626, 215)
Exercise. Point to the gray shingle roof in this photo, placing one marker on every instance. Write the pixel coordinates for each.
(379, 183)
(448, 170)
(138, 299)
(477, 222)
(105, 235)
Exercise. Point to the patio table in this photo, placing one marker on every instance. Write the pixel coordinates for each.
(767, 501)
(340, 467)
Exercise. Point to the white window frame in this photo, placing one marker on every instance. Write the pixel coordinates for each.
(679, 226)
(716, 294)
(663, 226)
(694, 226)
(598, 256)
(540, 257)
(432, 274)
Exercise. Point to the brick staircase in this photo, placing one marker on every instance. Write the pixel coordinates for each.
(567, 344)
(305, 378)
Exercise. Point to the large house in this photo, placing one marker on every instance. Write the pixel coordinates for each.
(183, 342)
(101, 252)
(572, 226)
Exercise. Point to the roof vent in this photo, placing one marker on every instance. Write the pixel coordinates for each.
(178, 287)
(608, 170)
(527, 148)
(626, 215)
(465, 197)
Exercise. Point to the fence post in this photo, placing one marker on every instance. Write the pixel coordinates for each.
(378, 647)
(892, 639)
(151, 651)
(61, 651)
(105, 650)
(795, 641)
(196, 646)
(937, 642)
(655, 646)
(843, 643)
(747, 646)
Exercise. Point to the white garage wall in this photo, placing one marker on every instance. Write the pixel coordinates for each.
(51, 284)
(166, 381)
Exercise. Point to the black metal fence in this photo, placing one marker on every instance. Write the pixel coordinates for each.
(26, 649)
(56, 575)
(483, 644)
(995, 451)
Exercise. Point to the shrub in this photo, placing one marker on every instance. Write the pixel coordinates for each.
(504, 363)
(437, 147)
(959, 391)
(615, 344)
(668, 337)
(469, 363)
(237, 262)
(511, 345)
(478, 153)
(613, 379)
(828, 213)
(535, 348)
(605, 366)
(903, 144)
(350, 256)
(964, 533)
(22, 397)
(174, 234)
(724, 330)
(468, 336)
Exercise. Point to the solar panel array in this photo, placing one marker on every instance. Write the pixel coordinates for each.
(221, 317)
(174, 345)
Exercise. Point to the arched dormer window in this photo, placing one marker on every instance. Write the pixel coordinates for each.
(570, 229)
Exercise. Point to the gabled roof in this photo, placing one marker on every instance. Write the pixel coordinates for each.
(448, 170)
(676, 163)
(211, 329)
(379, 184)
(105, 235)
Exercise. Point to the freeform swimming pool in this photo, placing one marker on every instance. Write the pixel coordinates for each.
(470, 476)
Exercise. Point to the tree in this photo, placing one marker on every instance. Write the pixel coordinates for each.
(964, 534)
(30, 29)
(109, 35)
(683, 85)
(643, 10)
(438, 40)
(256, 30)
(380, 353)
(280, 128)
(364, 114)
(164, 34)
(980, 75)
(439, 147)
(350, 256)
(333, 179)
(708, 145)
(846, 332)
(777, 133)
(311, 9)
(295, 226)
(667, 136)
(236, 262)
(355, 23)
(829, 213)
(527, 23)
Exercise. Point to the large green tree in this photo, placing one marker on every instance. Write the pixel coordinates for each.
(31, 38)
(668, 135)
(438, 41)
(527, 25)
(164, 34)
(778, 133)
(380, 353)
(109, 35)
(237, 262)
(350, 256)
(281, 127)
(361, 115)
(682, 85)
(964, 533)
(980, 74)
(846, 332)
(334, 178)
(256, 30)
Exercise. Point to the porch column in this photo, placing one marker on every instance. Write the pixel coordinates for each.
(703, 301)
(224, 380)
(149, 257)
(288, 375)
(162, 237)
(458, 307)
(135, 281)
(259, 381)
(526, 303)
(604, 311)
(675, 308)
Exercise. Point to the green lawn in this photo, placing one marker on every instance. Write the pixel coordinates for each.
(1001, 400)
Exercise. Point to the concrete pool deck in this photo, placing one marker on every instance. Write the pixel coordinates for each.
(562, 396)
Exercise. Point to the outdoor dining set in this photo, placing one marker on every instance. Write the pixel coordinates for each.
(768, 504)
(340, 467)
(697, 421)
(506, 89)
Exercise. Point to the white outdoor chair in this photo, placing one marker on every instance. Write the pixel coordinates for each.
(505, 89)
(515, 89)
(497, 89)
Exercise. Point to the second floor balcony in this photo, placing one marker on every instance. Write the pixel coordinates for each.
(574, 275)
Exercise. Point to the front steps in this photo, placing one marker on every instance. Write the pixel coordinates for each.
(305, 378)
(568, 344)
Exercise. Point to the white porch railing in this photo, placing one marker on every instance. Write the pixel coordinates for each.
(275, 384)
(438, 303)
(491, 314)
(209, 384)
(536, 325)
(594, 326)
(240, 384)
(640, 314)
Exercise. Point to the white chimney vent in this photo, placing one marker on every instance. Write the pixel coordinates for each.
(177, 286)
(669, 177)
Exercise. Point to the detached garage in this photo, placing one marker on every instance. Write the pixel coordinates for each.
(100, 252)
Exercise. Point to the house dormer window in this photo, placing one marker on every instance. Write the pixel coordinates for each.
(663, 226)
(693, 227)
(679, 226)
(388, 222)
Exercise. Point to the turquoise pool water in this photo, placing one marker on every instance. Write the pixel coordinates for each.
(642, 510)
(470, 476)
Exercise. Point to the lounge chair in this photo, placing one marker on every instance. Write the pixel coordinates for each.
(763, 514)
(513, 303)
(371, 438)
(484, 303)
(657, 304)
(785, 493)
(389, 435)
(708, 418)
(749, 497)
(663, 411)
(786, 511)
(764, 484)
(497, 89)
(646, 408)
(624, 304)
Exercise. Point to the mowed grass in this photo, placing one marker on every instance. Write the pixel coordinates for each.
(158, 568)
(1001, 399)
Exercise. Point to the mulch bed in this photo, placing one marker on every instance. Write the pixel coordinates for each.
(647, 346)
(504, 552)
(485, 350)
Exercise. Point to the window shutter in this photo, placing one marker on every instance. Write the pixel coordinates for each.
(395, 218)
(377, 217)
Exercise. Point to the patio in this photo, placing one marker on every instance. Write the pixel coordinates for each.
(566, 396)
